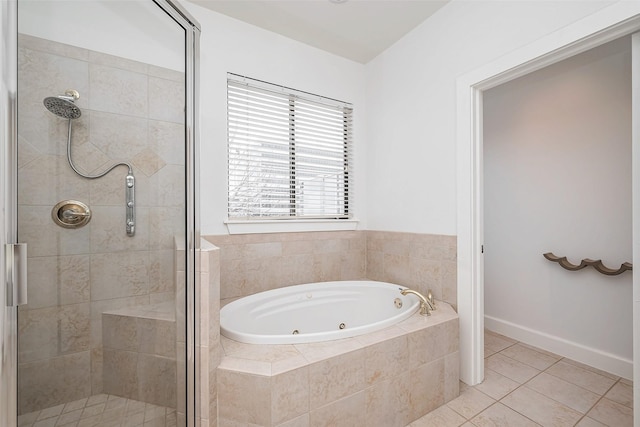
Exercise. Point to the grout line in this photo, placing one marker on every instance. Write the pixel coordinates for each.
(601, 396)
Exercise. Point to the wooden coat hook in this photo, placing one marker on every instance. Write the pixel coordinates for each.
(597, 264)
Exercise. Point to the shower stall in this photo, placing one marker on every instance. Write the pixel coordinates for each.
(100, 228)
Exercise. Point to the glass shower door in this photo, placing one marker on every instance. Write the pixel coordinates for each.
(102, 205)
(8, 309)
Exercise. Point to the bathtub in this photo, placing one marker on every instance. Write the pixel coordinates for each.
(316, 312)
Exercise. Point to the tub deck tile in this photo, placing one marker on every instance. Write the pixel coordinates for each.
(317, 351)
(364, 375)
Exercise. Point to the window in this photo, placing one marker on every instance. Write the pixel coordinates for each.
(289, 153)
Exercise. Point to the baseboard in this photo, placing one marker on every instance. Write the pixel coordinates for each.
(590, 356)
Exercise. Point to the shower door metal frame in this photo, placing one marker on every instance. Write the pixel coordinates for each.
(192, 84)
(192, 69)
(8, 210)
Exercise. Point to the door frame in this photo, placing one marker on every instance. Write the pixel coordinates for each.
(609, 23)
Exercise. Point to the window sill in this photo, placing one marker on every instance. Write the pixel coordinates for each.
(290, 225)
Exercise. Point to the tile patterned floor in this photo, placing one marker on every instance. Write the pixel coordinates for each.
(526, 386)
(101, 411)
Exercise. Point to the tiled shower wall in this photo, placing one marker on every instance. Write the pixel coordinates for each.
(252, 263)
(132, 112)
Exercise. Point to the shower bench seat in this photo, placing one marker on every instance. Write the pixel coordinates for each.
(139, 353)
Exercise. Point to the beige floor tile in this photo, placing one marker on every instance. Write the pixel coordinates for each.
(589, 422)
(98, 398)
(495, 385)
(582, 377)
(54, 411)
(539, 350)
(152, 412)
(510, 368)
(626, 381)
(612, 414)
(101, 411)
(564, 392)
(499, 415)
(497, 342)
(132, 420)
(621, 393)
(541, 409)
(94, 410)
(90, 422)
(488, 351)
(441, 417)
(28, 419)
(470, 403)
(75, 405)
(591, 368)
(48, 422)
(530, 357)
(69, 417)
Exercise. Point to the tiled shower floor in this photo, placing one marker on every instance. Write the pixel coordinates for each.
(101, 410)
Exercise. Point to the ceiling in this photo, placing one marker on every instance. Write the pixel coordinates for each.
(355, 29)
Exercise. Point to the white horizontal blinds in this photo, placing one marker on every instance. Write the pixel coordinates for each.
(288, 153)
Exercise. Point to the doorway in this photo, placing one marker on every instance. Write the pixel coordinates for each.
(557, 178)
(606, 25)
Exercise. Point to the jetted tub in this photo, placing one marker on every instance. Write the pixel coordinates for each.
(316, 312)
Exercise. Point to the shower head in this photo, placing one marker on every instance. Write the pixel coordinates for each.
(63, 106)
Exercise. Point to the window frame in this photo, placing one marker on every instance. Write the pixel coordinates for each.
(343, 218)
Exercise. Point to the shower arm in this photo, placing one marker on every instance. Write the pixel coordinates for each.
(129, 182)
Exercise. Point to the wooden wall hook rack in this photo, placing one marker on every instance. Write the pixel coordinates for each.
(597, 264)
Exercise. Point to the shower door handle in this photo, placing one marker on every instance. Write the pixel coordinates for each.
(16, 273)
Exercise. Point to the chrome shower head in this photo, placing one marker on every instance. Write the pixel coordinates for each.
(63, 106)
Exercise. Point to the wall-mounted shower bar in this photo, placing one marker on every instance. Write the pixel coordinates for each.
(597, 264)
(64, 106)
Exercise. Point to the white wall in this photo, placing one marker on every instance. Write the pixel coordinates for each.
(229, 45)
(141, 31)
(557, 171)
(411, 96)
(137, 30)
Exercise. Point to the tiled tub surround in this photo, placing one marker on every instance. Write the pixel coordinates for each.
(386, 378)
(130, 111)
(267, 377)
(207, 333)
(420, 261)
(252, 263)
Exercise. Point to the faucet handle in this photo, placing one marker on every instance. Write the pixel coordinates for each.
(431, 299)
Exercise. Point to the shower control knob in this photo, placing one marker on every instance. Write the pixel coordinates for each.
(71, 214)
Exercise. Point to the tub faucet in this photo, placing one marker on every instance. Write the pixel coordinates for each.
(426, 305)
